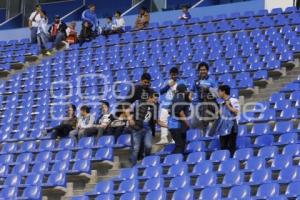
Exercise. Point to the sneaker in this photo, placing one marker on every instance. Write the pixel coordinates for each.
(48, 53)
(163, 141)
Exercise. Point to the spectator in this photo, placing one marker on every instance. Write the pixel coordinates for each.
(227, 123)
(33, 23)
(119, 23)
(205, 104)
(117, 125)
(107, 28)
(168, 91)
(90, 16)
(42, 33)
(58, 28)
(86, 120)
(102, 123)
(86, 33)
(142, 20)
(185, 14)
(67, 125)
(178, 119)
(71, 33)
(141, 124)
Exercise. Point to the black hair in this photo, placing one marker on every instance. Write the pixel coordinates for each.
(203, 64)
(144, 8)
(110, 18)
(174, 70)
(91, 5)
(105, 103)
(73, 107)
(38, 5)
(85, 108)
(146, 76)
(225, 88)
(185, 6)
(119, 13)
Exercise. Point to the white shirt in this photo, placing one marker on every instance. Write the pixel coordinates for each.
(86, 122)
(119, 23)
(43, 26)
(37, 19)
(235, 103)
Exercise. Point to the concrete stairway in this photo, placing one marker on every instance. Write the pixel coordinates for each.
(278, 79)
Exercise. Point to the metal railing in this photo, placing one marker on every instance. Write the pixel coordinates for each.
(197, 4)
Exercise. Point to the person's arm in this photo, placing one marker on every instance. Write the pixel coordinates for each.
(162, 124)
(165, 89)
(183, 118)
(30, 20)
(233, 109)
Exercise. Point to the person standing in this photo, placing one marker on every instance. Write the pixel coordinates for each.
(168, 91)
(85, 121)
(178, 120)
(141, 124)
(67, 125)
(185, 14)
(42, 33)
(205, 104)
(33, 23)
(90, 16)
(142, 20)
(227, 127)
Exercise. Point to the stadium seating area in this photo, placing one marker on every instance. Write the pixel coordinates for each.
(242, 49)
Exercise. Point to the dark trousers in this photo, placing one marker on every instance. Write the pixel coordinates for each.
(61, 130)
(229, 141)
(298, 4)
(179, 136)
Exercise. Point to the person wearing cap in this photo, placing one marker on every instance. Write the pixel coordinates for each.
(178, 120)
(57, 31)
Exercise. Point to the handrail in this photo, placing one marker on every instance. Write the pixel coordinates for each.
(75, 10)
(133, 7)
(6, 21)
(197, 4)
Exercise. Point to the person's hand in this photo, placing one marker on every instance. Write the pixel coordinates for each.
(172, 83)
(131, 122)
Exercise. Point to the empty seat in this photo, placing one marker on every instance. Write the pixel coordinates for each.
(267, 190)
(260, 176)
(213, 193)
(179, 182)
(205, 180)
(240, 192)
(183, 194)
(220, 155)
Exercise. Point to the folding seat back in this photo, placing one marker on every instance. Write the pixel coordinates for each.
(128, 186)
(106, 141)
(47, 145)
(131, 195)
(44, 156)
(289, 174)
(212, 193)
(84, 154)
(28, 146)
(173, 159)
(180, 182)
(267, 190)
(105, 153)
(183, 194)
(268, 151)
(288, 138)
(240, 192)
(9, 192)
(255, 163)
(233, 178)
(154, 184)
(260, 129)
(34, 179)
(123, 141)
(281, 161)
(24, 158)
(156, 194)
(66, 143)
(105, 197)
(292, 189)
(195, 157)
(264, 140)
(243, 154)
(261, 176)
(86, 142)
(81, 166)
(9, 148)
(150, 161)
(6, 159)
(220, 155)
(291, 149)
(57, 179)
(283, 127)
(205, 180)
(20, 169)
(128, 173)
(229, 165)
(12, 180)
(152, 172)
(61, 166)
(195, 146)
(104, 187)
(178, 170)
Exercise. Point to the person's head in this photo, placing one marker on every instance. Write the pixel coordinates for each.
(108, 19)
(92, 7)
(153, 98)
(57, 19)
(223, 91)
(86, 24)
(145, 80)
(38, 7)
(143, 10)
(105, 106)
(118, 14)
(84, 110)
(174, 73)
(73, 24)
(185, 9)
(71, 110)
(203, 69)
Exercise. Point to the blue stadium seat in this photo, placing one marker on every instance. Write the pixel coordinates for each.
(230, 165)
(103, 187)
(172, 159)
(179, 182)
(268, 152)
(208, 179)
(267, 190)
(183, 194)
(292, 189)
(151, 172)
(32, 192)
(255, 163)
(128, 186)
(220, 155)
(156, 194)
(195, 157)
(153, 184)
(281, 161)
(233, 178)
(132, 196)
(260, 176)
(240, 192)
(212, 193)
(150, 161)
(243, 154)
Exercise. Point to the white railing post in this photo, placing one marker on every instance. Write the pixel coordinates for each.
(197, 4)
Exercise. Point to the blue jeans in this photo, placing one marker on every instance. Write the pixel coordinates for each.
(33, 34)
(42, 40)
(59, 38)
(137, 137)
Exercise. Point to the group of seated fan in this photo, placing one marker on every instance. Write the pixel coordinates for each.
(87, 125)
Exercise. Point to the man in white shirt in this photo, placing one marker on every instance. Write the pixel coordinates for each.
(118, 24)
(85, 121)
(34, 21)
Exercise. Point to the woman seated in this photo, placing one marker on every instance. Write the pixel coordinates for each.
(86, 33)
